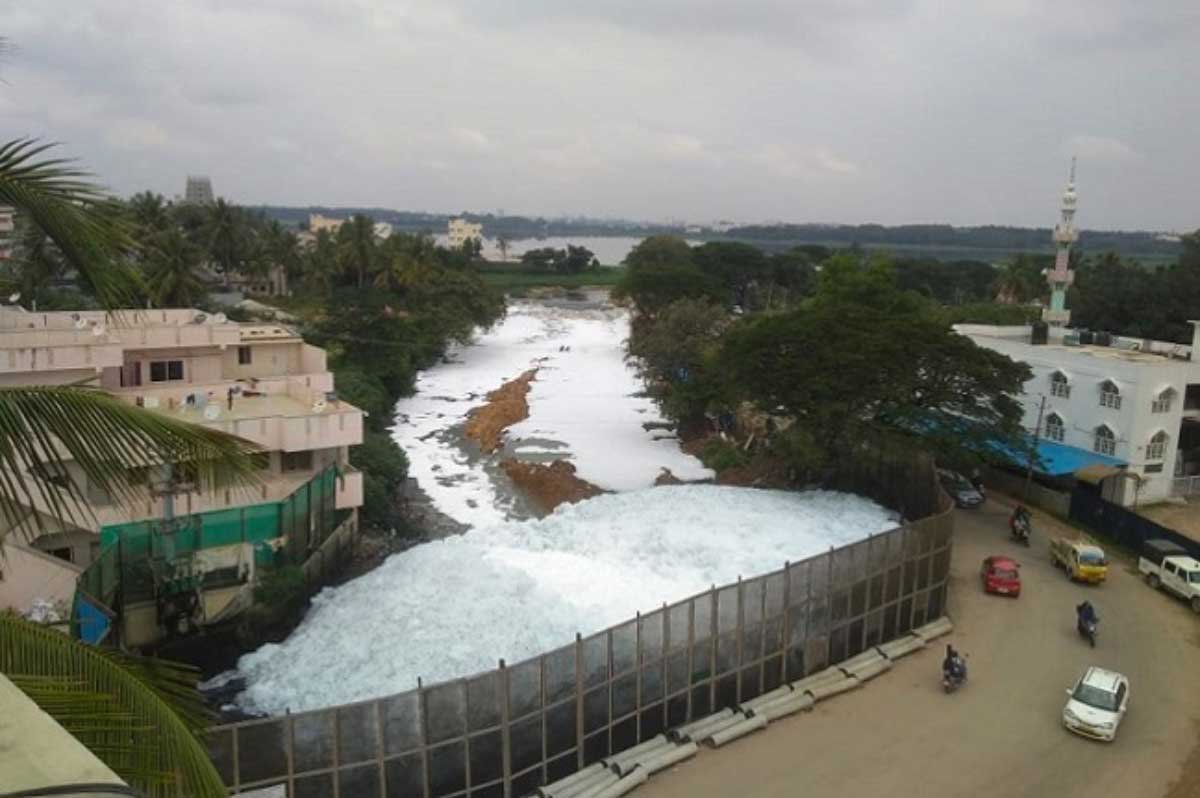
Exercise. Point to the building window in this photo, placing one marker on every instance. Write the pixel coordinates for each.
(297, 461)
(244, 356)
(1054, 427)
(1110, 395)
(1158, 445)
(1162, 402)
(1059, 385)
(166, 370)
(1106, 442)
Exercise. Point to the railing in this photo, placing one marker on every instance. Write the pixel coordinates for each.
(1185, 486)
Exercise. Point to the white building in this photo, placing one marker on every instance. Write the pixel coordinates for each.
(459, 231)
(1124, 398)
(1095, 397)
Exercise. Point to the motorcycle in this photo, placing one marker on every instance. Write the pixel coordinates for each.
(956, 677)
(1087, 629)
(1018, 526)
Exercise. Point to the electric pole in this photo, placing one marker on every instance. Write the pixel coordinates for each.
(1037, 431)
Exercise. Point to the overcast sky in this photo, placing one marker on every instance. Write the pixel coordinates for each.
(850, 111)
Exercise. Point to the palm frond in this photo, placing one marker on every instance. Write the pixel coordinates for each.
(142, 717)
(45, 428)
(82, 221)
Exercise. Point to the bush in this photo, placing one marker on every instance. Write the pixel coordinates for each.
(721, 455)
(281, 587)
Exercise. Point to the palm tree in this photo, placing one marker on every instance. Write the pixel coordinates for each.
(149, 212)
(140, 717)
(225, 232)
(356, 248)
(172, 279)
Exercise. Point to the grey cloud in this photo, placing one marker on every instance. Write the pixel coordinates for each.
(763, 109)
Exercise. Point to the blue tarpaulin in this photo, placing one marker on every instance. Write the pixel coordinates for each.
(1059, 460)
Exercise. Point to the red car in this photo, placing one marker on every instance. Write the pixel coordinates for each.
(1001, 575)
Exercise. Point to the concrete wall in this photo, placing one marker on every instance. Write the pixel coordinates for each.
(267, 359)
(27, 574)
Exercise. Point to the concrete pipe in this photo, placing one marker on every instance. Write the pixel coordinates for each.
(671, 757)
(866, 666)
(797, 702)
(685, 732)
(766, 698)
(562, 787)
(820, 692)
(606, 778)
(737, 730)
(819, 678)
(624, 760)
(621, 786)
(594, 780)
(934, 629)
(902, 647)
(713, 728)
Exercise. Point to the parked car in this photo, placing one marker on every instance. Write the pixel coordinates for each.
(1082, 561)
(1096, 704)
(965, 495)
(1167, 565)
(1001, 575)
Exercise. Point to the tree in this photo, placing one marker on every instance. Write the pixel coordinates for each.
(172, 277)
(1021, 280)
(356, 248)
(675, 355)
(659, 271)
(864, 355)
(225, 230)
(140, 717)
(502, 244)
(37, 262)
(150, 212)
(733, 265)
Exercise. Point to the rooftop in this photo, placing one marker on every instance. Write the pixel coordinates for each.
(1070, 341)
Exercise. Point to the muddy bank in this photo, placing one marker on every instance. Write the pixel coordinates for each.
(549, 485)
(505, 406)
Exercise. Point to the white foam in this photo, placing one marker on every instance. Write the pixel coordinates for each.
(583, 400)
(453, 607)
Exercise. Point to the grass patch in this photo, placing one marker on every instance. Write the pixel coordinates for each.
(722, 455)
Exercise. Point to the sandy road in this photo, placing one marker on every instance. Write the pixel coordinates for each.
(1001, 736)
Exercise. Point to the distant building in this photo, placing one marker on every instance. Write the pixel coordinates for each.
(7, 225)
(383, 230)
(317, 223)
(459, 231)
(199, 191)
(1127, 405)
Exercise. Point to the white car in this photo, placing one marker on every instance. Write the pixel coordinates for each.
(1096, 704)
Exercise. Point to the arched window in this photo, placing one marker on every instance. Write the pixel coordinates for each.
(1106, 441)
(1110, 395)
(1162, 402)
(1059, 386)
(1157, 447)
(1054, 427)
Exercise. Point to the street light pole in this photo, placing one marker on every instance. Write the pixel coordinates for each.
(1037, 431)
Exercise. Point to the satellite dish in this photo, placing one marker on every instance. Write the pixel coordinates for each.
(319, 406)
(98, 330)
(219, 318)
(80, 324)
(12, 299)
(199, 318)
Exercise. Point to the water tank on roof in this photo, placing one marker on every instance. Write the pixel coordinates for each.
(1103, 339)
(1040, 333)
(1086, 338)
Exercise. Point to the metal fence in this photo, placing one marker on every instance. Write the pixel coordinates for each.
(1122, 525)
(505, 732)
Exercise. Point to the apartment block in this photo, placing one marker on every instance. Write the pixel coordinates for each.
(261, 382)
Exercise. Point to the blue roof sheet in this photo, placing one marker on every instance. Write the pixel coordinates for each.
(1057, 459)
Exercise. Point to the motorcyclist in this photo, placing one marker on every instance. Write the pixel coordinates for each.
(952, 664)
(1019, 523)
(1085, 614)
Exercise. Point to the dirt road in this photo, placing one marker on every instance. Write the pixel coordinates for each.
(1001, 736)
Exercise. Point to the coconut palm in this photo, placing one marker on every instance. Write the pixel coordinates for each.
(172, 263)
(140, 717)
(356, 248)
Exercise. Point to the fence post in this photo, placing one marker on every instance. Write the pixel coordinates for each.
(762, 635)
(786, 635)
(579, 701)
(505, 738)
(542, 695)
(739, 635)
(664, 649)
(424, 723)
(380, 748)
(691, 654)
(712, 650)
(637, 674)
